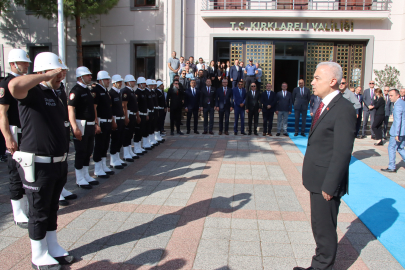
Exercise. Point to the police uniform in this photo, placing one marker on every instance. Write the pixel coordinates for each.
(155, 116)
(128, 95)
(15, 184)
(158, 111)
(162, 106)
(117, 135)
(151, 114)
(142, 95)
(102, 140)
(81, 99)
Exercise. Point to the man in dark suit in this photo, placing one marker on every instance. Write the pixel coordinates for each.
(359, 112)
(239, 96)
(224, 105)
(235, 74)
(300, 96)
(368, 97)
(313, 105)
(191, 105)
(200, 80)
(207, 104)
(253, 107)
(268, 108)
(325, 170)
(175, 104)
(283, 109)
(388, 110)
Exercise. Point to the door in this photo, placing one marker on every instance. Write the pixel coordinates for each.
(286, 71)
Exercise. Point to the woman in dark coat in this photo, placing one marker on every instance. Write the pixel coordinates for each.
(379, 107)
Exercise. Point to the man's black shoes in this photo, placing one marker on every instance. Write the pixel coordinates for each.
(277, 134)
(296, 134)
(389, 170)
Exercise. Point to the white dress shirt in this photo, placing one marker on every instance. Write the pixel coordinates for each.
(328, 99)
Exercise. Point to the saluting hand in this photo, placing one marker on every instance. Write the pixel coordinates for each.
(52, 73)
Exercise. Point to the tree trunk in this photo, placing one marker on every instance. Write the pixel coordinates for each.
(79, 51)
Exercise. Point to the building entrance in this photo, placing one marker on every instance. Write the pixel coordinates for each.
(285, 71)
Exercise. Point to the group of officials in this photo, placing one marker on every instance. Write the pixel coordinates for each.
(36, 119)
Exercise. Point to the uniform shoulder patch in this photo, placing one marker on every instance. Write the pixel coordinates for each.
(2, 91)
(93, 94)
(125, 95)
(72, 96)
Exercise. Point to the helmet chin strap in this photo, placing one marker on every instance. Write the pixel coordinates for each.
(18, 69)
(83, 82)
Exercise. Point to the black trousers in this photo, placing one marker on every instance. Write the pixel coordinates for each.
(303, 114)
(253, 115)
(377, 126)
(129, 130)
(222, 113)
(175, 117)
(141, 129)
(43, 197)
(358, 123)
(157, 120)
(84, 148)
(193, 113)
(15, 183)
(268, 121)
(259, 85)
(102, 141)
(117, 137)
(151, 123)
(386, 120)
(324, 221)
(209, 111)
(249, 80)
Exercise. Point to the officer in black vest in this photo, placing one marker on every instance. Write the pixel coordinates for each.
(11, 128)
(102, 105)
(161, 108)
(175, 102)
(42, 161)
(142, 95)
(154, 136)
(82, 116)
(117, 135)
(131, 111)
(151, 113)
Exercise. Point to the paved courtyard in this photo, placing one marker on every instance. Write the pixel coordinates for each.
(202, 202)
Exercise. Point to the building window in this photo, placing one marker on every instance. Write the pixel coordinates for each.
(145, 3)
(145, 60)
(33, 51)
(92, 59)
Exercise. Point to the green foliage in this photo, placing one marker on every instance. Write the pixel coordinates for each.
(387, 77)
(5, 5)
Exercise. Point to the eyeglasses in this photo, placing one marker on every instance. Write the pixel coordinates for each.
(371, 83)
(253, 86)
(175, 83)
(343, 83)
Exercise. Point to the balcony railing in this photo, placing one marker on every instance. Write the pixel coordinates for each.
(369, 5)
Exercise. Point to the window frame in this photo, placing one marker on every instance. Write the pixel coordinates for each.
(95, 43)
(145, 7)
(133, 44)
(32, 45)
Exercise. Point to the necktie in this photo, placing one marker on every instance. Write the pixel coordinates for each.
(283, 94)
(253, 93)
(208, 94)
(302, 92)
(193, 91)
(240, 92)
(372, 93)
(317, 114)
(268, 94)
(224, 91)
(403, 98)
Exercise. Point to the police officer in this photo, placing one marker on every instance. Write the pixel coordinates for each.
(102, 105)
(142, 95)
(42, 156)
(131, 113)
(11, 128)
(61, 92)
(151, 113)
(117, 135)
(82, 116)
(156, 129)
(161, 107)
(250, 72)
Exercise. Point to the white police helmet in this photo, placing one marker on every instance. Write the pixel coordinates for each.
(141, 80)
(149, 82)
(64, 66)
(102, 75)
(18, 55)
(153, 82)
(129, 78)
(116, 78)
(81, 71)
(159, 83)
(47, 61)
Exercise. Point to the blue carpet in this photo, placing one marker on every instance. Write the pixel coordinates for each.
(377, 201)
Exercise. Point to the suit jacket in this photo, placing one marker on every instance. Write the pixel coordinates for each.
(284, 104)
(314, 104)
(367, 99)
(192, 102)
(174, 100)
(206, 97)
(269, 101)
(253, 103)
(301, 102)
(329, 150)
(224, 101)
(200, 82)
(350, 96)
(398, 125)
(388, 107)
(237, 98)
(234, 74)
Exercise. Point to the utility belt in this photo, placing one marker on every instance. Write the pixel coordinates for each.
(118, 118)
(159, 108)
(27, 162)
(130, 113)
(145, 114)
(149, 111)
(14, 131)
(81, 124)
(104, 120)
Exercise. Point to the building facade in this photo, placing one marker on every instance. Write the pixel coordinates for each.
(287, 37)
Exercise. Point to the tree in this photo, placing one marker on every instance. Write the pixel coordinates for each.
(73, 9)
(5, 5)
(387, 77)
